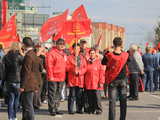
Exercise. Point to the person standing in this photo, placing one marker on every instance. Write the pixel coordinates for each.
(157, 69)
(136, 68)
(116, 77)
(94, 80)
(37, 103)
(84, 50)
(76, 71)
(148, 61)
(56, 73)
(29, 82)
(12, 62)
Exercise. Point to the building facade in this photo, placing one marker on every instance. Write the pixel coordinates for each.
(28, 20)
(108, 31)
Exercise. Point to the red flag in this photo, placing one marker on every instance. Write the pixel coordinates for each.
(52, 25)
(7, 33)
(76, 28)
(147, 44)
(17, 39)
(4, 12)
(58, 35)
(156, 48)
(79, 13)
(99, 40)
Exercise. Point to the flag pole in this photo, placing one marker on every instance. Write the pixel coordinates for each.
(76, 47)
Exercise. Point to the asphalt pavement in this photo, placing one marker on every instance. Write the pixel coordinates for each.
(146, 108)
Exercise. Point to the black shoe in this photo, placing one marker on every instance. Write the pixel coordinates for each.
(128, 96)
(79, 112)
(98, 113)
(52, 113)
(36, 107)
(133, 99)
(90, 112)
(59, 113)
(71, 112)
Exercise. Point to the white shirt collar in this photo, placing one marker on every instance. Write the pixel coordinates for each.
(28, 50)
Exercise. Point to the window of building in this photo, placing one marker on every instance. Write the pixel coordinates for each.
(10, 14)
(16, 20)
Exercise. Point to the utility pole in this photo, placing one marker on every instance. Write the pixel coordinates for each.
(0, 14)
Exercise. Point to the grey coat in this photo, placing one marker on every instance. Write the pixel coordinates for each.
(136, 64)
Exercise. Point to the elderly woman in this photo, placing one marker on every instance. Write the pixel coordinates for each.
(12, 62)
(94, 80)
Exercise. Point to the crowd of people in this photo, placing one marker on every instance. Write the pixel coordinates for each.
(29, 72)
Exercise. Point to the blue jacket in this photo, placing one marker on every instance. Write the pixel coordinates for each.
(148, 61)
(156, 61)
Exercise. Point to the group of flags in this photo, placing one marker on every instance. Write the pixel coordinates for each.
(70, 30)
(59, 26)
(8, 33)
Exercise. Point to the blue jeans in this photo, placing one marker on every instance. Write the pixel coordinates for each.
(148, 80)
(13, 92)
(75, 92)
(157, 72)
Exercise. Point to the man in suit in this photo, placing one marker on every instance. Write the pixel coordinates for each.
(29, 81)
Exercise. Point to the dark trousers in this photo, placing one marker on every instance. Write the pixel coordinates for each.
(39, 95)
(121, 86)
(94, 101)
(43, 93)
(75, 92)
(27, 106)
(134, 81)
(54, 95)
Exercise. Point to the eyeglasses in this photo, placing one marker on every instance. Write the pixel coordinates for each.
(61, 44)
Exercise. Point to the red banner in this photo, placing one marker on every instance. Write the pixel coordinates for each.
(52, 25)
(57, 36)
(17, 39)
(99, 40)
(79, 13)
(4, 12)
(147, 44)
(76, 28)
(7, 34)
(156, 48)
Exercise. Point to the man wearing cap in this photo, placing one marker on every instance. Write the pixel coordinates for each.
(84, 49)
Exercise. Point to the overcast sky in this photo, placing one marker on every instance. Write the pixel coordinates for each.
(138, 16)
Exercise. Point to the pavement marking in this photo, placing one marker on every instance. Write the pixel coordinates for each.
(58, 116)
(143, 111)
(151, 95)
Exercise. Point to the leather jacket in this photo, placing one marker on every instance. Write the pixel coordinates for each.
(12, 62)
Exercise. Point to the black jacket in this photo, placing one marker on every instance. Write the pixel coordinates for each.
(12, 62)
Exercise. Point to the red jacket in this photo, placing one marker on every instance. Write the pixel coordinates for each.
(76, 80)
(87, 53)
(56, 65)
(94, 75)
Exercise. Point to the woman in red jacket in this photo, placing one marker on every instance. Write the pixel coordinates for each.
(94, 80)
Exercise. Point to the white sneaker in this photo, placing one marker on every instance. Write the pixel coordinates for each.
(44, 102)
